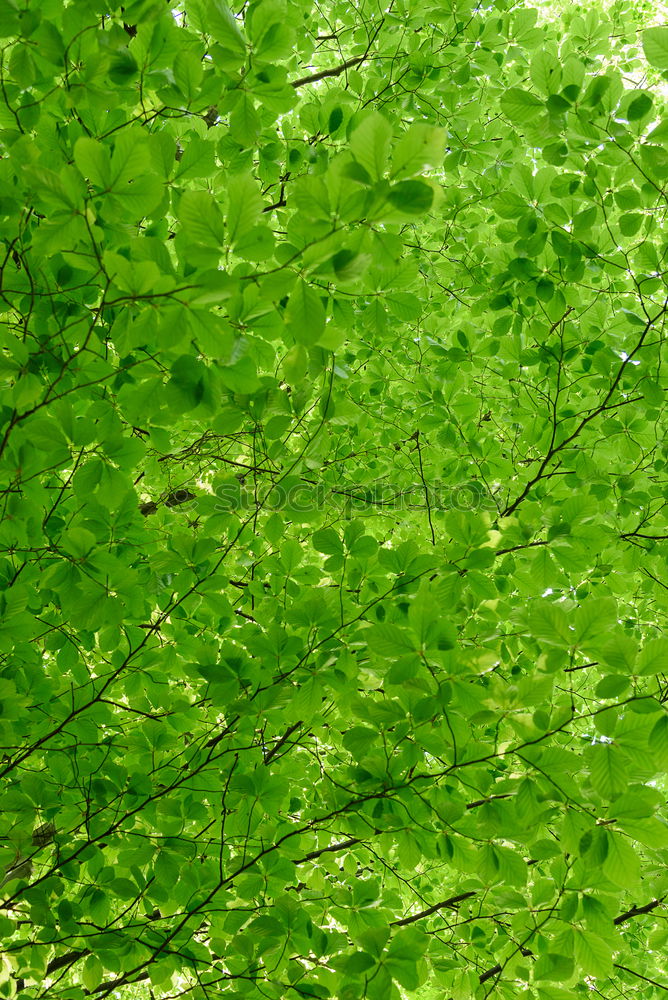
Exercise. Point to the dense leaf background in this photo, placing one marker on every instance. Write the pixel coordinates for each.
(334, 517)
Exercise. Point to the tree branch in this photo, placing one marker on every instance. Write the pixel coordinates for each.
(324, 73)
(636, 911)
(451, 903)
(638, 976)
(279, 743)
(326, 850)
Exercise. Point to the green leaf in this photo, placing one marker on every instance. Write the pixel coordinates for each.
(245, 122)
(359, 739)
(411, 197)
(129, 160)
(655, 47)
(421, 147)
(188, 73)
(653, 658)
(197, 160)
(370, 143)
(630, 223)
(521, 106)
(245, 207)
(201, 219)
(93, 160)
(215, 18)
(658, 741)
(187, 383)
(305, 314)
(389, 640)
(327, 541)
(335, 119)
(553, 967)
(592, 954)
(593, 620)
(549, 623)
(639, 107)
(609, 775)
(545, 71)
(621, 864)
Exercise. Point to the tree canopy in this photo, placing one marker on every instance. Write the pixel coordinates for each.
(334, 513)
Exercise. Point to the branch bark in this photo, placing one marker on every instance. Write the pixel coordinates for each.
(636, 911)
(451, 903)
(324, 73)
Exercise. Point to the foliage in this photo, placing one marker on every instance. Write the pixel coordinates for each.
(334, 500)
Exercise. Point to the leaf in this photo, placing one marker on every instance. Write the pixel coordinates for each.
(201, 219)
(215, 18)
(521, 106)
(123, 68)
(553, 967)
(630, 223)
(592, 954)
(245, 122)
(327, 541)
(648, 831)
(187, 382)
(609, 775)
(411, 197)
(653, 658)
(422, 146)
(241, 377)
(245, 207)
(270, 32)
(389, 640)
(621, 864)
(359, 739)
(658, 742)
(92, 159)
(545, 71)
(370, 143)
(129, 160)
(198, 160)
(335, 119)
(594, 619)
(639, 107)
(93, 973)
(612, 686)
(305, 314)
(655, 47)
(549, 623)
(140, 197)
(188, 73)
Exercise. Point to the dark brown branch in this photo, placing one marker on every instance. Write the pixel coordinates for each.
(483, 802)
(638, 976)
(490, 972)
(515, 548)
(124, 980)
(69, 959)
(635, 911)
(650, 538)
(249, 618)
(499, 968)
(451, 903)
(324, 73)
(279, 743)
(582, 666)
(327, 850)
